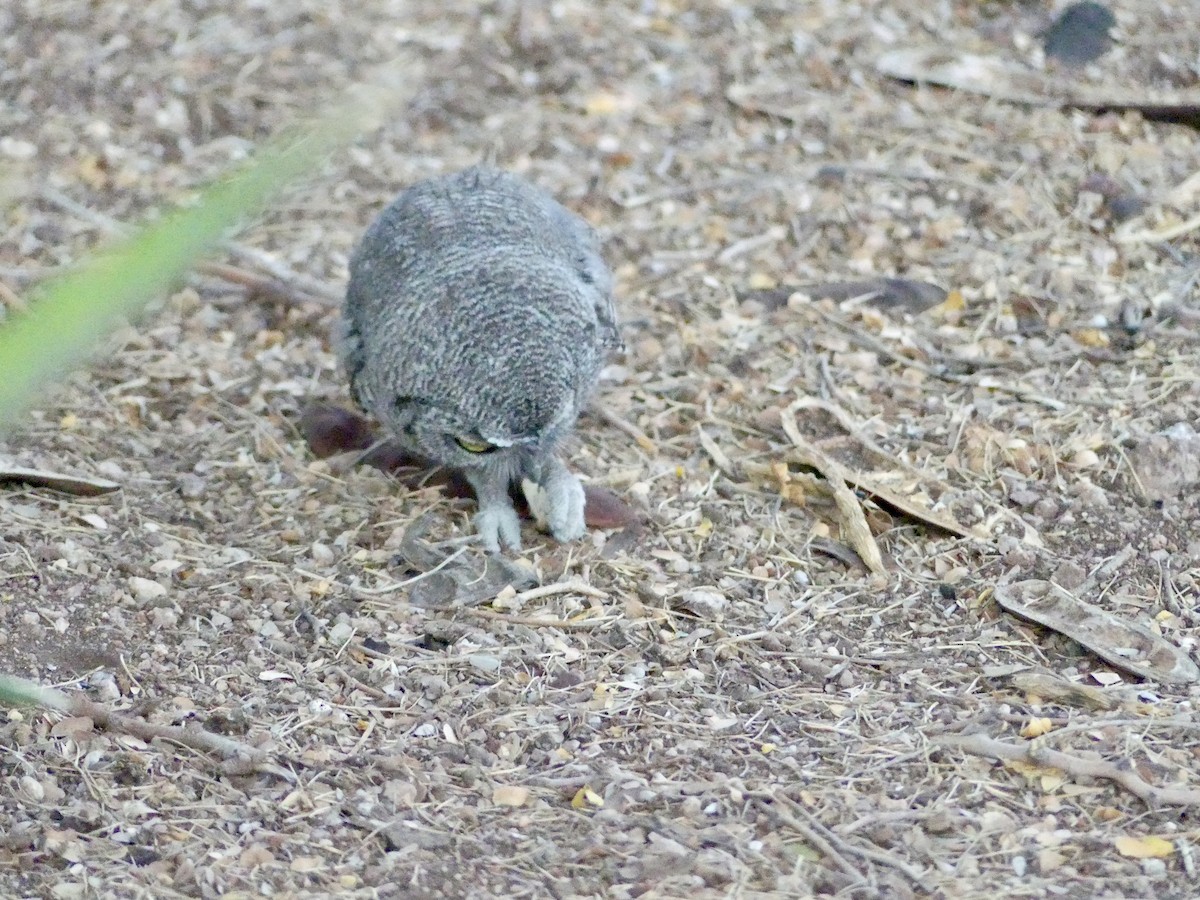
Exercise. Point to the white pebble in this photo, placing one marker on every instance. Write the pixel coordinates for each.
(484, 662)
(146, 591)
(15, 149)
(705, 604)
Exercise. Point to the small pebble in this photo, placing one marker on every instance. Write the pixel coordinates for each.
(484, 663)
(191, 487)
(1154, 868)
(706, 604)
(1080, 34)
(146, 591)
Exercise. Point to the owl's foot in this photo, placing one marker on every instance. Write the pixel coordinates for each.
(556, 499)
(498, 524)
(564, 514)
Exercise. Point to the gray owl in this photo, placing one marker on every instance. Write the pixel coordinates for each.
(477, 318)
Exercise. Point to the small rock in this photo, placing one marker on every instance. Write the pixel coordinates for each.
(1080, 34)
(146, 591)
(707, 604)
(191, 487)
(16, 149)
(106, 687)
(1069, 575)
(1168, 463)
(1154, 868)
(484, 663)
(163, 617)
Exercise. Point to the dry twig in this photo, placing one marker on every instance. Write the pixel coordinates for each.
(858, 532)
(1033, 752)
(238, 758)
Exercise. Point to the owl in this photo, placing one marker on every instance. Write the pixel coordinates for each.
(478, 315)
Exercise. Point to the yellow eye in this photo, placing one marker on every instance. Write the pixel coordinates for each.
(474, 446)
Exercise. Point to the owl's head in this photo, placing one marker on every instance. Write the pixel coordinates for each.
(498, 436)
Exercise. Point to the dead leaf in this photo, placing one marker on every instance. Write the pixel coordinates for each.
(68, 484)
(586, 798)
(603, 508)
(1148, 847)
(510, 795)
(1037, 727)
(1125, 645)
(329, 430)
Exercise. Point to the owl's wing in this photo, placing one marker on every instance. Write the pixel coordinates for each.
(606, 317)
(352, 355)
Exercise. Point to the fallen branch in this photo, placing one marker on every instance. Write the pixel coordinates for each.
(237, 758)
(811, 833)
(830, 842)
(1120, 773)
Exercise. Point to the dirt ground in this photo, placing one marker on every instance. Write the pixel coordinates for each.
(721, 701)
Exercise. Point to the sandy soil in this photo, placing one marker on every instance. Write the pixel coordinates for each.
(721, 701)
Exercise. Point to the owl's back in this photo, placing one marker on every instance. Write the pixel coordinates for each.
(478, 292)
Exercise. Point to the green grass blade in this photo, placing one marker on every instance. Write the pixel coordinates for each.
(70, 315)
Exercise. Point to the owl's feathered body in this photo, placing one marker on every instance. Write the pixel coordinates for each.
(477, 319)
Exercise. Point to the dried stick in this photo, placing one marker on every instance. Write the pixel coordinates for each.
(238, 758)
(1121, 773)
(560, 587)
(771, 805)
(858, 532)
(643, 441)
(863, 339)
(531, 622)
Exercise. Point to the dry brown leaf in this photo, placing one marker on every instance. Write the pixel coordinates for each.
(1148, 847)
(1125, 645)
(77, 485)
(510, 795)
(586, 798)
(1037, 727)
